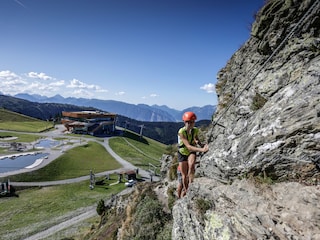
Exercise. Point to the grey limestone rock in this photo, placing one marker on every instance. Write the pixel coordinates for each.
(269, 102)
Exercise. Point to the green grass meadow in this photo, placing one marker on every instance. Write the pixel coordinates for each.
(20, 137)
(39, 208)
(17, 122)
(149, 151)
(73, 163)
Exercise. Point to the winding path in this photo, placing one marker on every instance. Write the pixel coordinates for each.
(125, 166)
(91, 210)
(54, 154)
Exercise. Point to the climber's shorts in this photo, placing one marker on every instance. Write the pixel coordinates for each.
(182, 158)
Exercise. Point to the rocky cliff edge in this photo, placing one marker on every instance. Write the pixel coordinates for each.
(260, 178)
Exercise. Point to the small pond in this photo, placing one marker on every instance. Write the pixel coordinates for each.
(47, 143)
(23, 161)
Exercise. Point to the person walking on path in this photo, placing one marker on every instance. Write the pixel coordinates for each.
(188, 141)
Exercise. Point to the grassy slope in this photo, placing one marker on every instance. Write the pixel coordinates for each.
(40, 208)
(149, 151)
(18, 122)
(75, 162)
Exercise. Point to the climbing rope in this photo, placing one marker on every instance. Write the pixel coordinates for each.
(289, 35)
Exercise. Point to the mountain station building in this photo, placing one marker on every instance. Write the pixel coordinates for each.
(94, 123)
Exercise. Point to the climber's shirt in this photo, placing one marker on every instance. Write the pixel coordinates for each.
(190, 137)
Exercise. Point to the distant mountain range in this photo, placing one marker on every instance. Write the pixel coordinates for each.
(140, 112)
(162, 131)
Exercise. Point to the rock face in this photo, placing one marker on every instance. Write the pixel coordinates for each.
(244, 211)
(269, 105)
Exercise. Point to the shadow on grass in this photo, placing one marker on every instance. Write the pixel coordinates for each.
(135, 137)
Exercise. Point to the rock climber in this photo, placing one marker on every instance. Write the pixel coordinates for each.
(188, 141)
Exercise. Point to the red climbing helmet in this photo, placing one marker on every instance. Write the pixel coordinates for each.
(189, 116)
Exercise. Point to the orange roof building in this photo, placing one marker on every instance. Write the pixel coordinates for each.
(89, 122)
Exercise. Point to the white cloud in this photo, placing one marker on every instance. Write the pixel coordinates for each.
(11, 83)
(75, 83)
(36, 86)
(82, 89)
(10, 78)
(40, 88)
(7, 75)
(120, 93)
(100, 90)
(58, 83)
(82, 93)
(33, 83)
(154, 95)
(209, 88)
(41, 76)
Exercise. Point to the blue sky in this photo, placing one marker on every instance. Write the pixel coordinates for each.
(164, 52)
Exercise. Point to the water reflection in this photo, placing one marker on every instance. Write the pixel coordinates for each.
(13, 162)
(47, 143)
